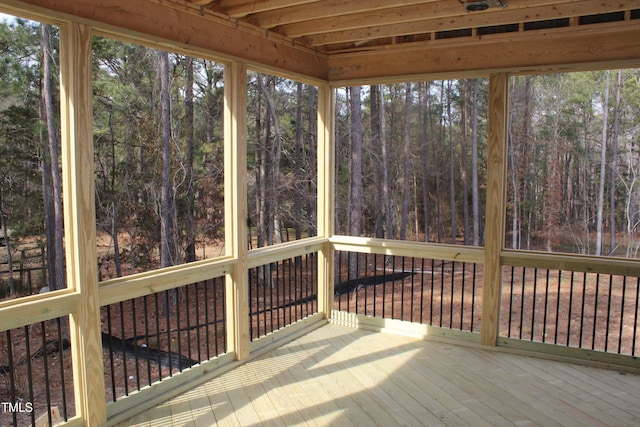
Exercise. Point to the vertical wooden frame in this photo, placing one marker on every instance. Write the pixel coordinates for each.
(80, 220)
(326, 196)
(496, 204)
(235, 196)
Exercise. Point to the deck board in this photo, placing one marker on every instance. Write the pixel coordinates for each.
(336, 375)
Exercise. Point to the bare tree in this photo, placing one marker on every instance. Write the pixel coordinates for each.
(475, 191)
(603, 165)
(406, 156)
(52, 176)
(166, 205)
(613, 170)
(189, 220)
(355, 215)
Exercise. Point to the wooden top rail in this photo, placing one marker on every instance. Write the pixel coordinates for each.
(570, 262)
(151, 282)
(265, 255)
(15, 313)
(409, 249)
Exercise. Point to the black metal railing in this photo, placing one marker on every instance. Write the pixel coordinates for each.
(282, 293)
(428, 291)
(148, 339)
(36, 374)
(592, 311)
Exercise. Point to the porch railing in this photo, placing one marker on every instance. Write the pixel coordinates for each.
(549, 303)
(282, 293)
(572, 301)
(435, 292)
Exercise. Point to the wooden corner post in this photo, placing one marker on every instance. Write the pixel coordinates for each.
(326, 196)
(495, 210)
(80, 220)
(235, 199)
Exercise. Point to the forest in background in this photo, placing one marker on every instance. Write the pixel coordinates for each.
(410, 158)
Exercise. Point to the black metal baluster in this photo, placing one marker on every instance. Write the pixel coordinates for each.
(45, 364)
(595, 311)
(251, 310)
(157, 308)
(546, 307)
(206, 315)
(113, 378)
(570, 309)
(464, 276)
(422, 290)
(524, 272)
(433, 266)
(27, 343)
(179, 330)
(413, 269)
(12, 380)
(473, 297)
(584, 298)
(135, 342)
(606, 335)
(453, 281)
(402, 286)
(441, 293)
(169, 347)
(624, 294)
(511, 301)
(555, 338)
(63, 388)
(535, 294)
(635, 319)
(146, 340)
(198, 324)
(124, 354)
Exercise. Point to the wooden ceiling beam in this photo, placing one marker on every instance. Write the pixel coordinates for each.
(176, 25)
(242, 8)
(400, 15)
(327, 9)
(609, 45)
(443, 21)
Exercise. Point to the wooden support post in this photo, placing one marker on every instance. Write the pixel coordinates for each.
(495, 211)
(235, 196)
(80, 220)
(326, 196)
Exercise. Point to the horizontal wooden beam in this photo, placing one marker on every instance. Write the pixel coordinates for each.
(178, 25)
(447, 19)
(408, 249)
(595, 46)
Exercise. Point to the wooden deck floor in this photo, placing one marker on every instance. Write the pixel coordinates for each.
(339, 376)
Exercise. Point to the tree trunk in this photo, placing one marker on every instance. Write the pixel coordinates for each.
(355, 214)
(166, 232)
(613, 171)
(424, 118)
(376, 138)
(463, 161)
(452, 175)
(189, 217)
(7, 242)
(475, 190)
(386, 193)
(298, 161)
(53, 198)
(603, 166)
(406, 155)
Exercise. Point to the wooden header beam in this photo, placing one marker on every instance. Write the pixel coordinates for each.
(573, 48)
(187, 28)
